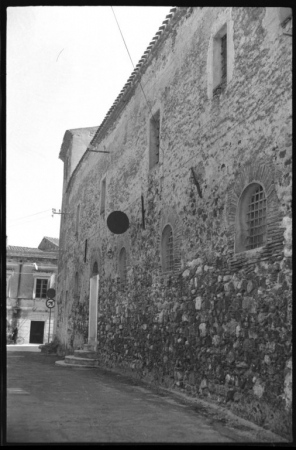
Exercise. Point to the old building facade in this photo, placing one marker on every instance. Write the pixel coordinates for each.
(29, 273)
(196, 294)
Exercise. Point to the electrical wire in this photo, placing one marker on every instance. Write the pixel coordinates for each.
(152, 116)
(237, 123)
(134, 68)
(29, 221)
(30, 215)
(167, 174)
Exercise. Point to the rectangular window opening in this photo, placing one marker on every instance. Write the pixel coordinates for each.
(220, 60)
(41, 287)
(85, 250)
(170, 252)
(223, 58)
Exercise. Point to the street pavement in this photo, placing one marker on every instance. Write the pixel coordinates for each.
(51, 404)
(23, 348)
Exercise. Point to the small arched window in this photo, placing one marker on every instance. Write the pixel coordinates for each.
(251, 219)
(122, 267)
(95, 269)
(167, 248)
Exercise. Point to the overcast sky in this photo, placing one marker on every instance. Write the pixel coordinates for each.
(65, 68)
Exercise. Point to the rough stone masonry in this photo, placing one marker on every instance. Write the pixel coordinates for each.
(217, 323)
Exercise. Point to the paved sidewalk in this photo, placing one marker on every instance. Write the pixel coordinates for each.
(23, 348)
(50, 404)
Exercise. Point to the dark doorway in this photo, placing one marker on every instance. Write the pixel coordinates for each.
(36, 332)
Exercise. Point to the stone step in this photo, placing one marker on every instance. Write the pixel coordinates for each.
(85, 354)
(89, 347)
(74, 366)
(81, 361)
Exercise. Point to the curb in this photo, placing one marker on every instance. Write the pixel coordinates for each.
(75, 366)
(262, 434)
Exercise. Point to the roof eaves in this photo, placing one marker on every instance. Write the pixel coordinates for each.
(52, 240)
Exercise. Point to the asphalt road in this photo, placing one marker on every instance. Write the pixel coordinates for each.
(51, 404)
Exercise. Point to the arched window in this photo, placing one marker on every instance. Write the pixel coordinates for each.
(122, 267)
(251, 219)
(95, 270)
(167, 248)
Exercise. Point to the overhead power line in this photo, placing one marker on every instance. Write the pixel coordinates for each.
(24, 217)
(29, 221)
(134, 68)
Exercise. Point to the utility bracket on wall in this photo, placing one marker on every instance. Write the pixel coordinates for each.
(54, 211)
(93, 149)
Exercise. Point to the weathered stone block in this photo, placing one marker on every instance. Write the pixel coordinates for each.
(203, 329)
(198, 301)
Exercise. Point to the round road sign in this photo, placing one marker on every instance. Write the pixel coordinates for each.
(50, 303)
(50, 293)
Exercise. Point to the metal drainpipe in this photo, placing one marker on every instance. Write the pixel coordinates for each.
(18, 289)
(19, 279)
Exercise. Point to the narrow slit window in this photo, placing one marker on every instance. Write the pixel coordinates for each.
(143, 212)
(122, 267)
(154, 140)
(167, 249)
(220, 59)
(223, 58)
(85, 250)
(103, 196)
(77, 219)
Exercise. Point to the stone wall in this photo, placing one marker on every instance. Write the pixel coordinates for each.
(219, 325)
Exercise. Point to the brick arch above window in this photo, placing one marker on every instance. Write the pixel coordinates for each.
(169, 218)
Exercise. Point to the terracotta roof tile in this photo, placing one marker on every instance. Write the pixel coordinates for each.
(16, 248)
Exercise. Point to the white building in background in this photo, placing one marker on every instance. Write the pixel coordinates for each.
(30, 272)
